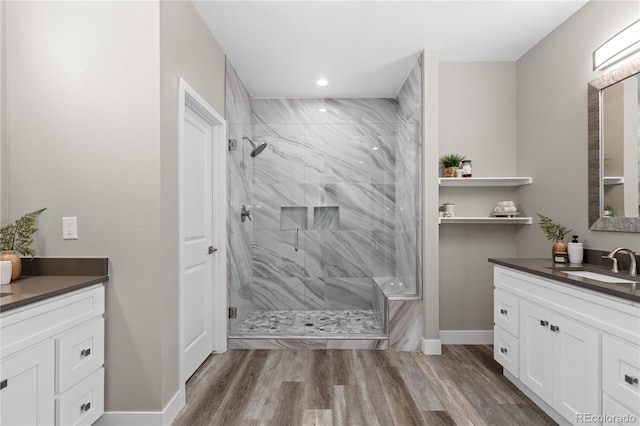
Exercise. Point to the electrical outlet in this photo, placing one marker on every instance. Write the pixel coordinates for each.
(70, 228)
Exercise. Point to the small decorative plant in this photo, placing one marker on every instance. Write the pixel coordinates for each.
(553, 231)
(451, 160)
(609, 211)
(450, 163)
(17, 236)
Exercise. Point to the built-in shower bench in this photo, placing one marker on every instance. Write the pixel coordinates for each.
(404, 314)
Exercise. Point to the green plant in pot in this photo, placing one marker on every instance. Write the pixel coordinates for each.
(609, 211)
(554, 232)
(450, 163)
(17, 237)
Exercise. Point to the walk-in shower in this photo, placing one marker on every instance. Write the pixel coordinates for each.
(335, 206)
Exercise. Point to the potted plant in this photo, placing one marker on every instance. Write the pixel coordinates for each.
(608, 211)
(554, 232)
(16, 237)
(450, 163)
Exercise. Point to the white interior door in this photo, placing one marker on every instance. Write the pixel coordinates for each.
(203, 229)
(197, 301)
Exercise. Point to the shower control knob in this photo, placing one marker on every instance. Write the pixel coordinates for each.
(245, 213)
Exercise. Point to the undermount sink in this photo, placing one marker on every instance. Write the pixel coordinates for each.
(599, 277)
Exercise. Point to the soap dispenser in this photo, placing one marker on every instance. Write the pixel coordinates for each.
(575, 250)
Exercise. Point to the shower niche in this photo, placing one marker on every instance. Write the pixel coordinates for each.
(326, 217)
(293, 218)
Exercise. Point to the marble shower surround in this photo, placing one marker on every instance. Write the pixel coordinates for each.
(323, 159)
(344, 158)
(240, 191)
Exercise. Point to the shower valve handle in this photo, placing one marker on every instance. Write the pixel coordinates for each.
(245, 213)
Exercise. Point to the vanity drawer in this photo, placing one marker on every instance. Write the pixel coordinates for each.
(505, 311)
(83, 404)
(621, 372)
(79, 352)
(506, 351)
(615, 413)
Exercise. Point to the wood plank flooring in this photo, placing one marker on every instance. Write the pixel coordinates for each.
(463, 386)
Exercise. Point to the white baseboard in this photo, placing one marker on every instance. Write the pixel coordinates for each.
(431, 346)
(466, 337)
(145, 418)
(172, 409)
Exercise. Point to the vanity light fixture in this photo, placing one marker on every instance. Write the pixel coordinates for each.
(322, 82)
(618, 47)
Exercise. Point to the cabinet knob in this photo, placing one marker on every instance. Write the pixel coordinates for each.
(630, 379)
(503, 311)
(85, 352)
(85, 407)
(544, 323)
(555, 328)
(4, 384)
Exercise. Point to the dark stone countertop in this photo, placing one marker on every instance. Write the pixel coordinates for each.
(547, 269)
(43, 278)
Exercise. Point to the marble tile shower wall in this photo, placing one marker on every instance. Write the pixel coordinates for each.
(408, 183)
(332, 176)
(240, 190)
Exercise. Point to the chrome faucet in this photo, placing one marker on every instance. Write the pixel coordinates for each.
(612, 256)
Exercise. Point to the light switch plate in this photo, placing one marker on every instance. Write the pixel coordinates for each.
(70, 228)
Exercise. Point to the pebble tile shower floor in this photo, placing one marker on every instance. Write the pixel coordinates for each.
(311, 322)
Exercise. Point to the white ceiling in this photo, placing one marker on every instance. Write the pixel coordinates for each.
(366, 48)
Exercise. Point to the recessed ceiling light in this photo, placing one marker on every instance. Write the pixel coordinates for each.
(322, 110)
(375, 148)
(322, 82)
(362, 162)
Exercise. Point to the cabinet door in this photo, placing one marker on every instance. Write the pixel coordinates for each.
(26, 397)
(536, 354)
(576, 361)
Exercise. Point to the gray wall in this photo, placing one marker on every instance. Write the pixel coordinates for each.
(187, 51)
(477, 119)
(552, 124)
(4, 182)
(91, 132)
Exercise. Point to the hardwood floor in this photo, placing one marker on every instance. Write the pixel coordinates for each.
(355, 387)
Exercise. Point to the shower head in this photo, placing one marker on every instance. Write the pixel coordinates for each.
(256, 149)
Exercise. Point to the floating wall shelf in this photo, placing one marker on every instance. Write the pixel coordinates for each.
(487, 220)
(485, 181)
(612, 180)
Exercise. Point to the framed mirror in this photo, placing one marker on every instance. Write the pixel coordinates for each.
(614, 150)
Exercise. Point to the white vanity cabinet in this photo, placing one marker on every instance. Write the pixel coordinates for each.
(576, 348)
(52, 360)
